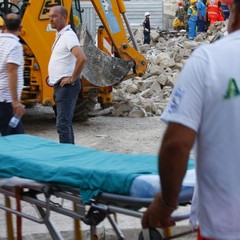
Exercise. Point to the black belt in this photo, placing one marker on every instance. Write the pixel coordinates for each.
(73, 83)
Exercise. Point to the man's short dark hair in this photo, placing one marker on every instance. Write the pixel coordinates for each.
(12, 22)
(63, 11)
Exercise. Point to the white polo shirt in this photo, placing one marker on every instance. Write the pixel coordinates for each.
(62, 61)
(206, 98)
(11, 51)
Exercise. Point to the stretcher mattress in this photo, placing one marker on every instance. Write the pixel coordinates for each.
(89, 170)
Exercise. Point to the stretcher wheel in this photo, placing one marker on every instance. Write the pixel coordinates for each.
(94, 216)
(154, 235)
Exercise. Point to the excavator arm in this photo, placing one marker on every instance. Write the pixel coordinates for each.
(113, 16)
(113, 70)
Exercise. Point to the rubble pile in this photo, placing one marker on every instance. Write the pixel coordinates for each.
(167, 54)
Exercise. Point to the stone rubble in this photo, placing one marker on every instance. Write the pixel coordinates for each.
(167, 54)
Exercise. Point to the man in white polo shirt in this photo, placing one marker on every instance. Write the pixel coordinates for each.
(11, 75)
(65, 66)
(204, 109)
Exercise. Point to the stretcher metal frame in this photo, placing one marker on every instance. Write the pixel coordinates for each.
(106, 205)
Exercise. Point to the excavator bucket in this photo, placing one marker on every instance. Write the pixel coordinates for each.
(101, 70)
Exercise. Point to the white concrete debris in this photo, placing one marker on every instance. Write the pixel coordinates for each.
(166, 55)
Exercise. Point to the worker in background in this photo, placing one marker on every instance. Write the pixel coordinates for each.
(178, 23)
(214, 11)
(76, 20)
(65, 66)
(11, 76)
(205, 98)
(201, 21)
(225, 10)
(186, 5)
(146, 28)
(192, 20)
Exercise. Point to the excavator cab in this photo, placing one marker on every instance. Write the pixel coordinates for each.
(102, 69)
(9, 7)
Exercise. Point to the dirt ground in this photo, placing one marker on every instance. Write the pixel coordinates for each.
(113, 134)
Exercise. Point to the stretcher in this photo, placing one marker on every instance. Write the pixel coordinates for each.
(99, 184)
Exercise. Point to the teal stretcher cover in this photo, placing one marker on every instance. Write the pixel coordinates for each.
(90, 170)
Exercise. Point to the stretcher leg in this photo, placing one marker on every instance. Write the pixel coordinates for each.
(167, 232)
(115, 227)
(150, 234)
(93, 233)
(146, 234)
(18, 208)
(9, 220)
(77, 226)
(51, 228)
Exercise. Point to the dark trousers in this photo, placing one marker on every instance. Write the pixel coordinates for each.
(6, 113)
(146, 37)
(201, 25)
(66, 99)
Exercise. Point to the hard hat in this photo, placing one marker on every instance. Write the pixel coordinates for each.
(147, 14)
(180, 4)
(1, 21)
(193, 1)
(76, 20)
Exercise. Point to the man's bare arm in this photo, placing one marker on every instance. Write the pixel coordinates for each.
(80, 61)
(173, 157)
(18, 108)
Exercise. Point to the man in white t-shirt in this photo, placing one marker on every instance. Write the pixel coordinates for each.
(204, 109)
(65, 66)
(11, 75)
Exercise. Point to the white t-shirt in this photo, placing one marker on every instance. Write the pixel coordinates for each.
(206, 99)
(11, 51)
(62, 61)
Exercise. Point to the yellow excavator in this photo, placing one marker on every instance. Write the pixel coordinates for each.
(103, 68)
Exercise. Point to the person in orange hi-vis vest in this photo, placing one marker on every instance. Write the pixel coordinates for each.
(214, 11)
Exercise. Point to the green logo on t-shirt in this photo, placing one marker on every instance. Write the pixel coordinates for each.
(232, 89)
